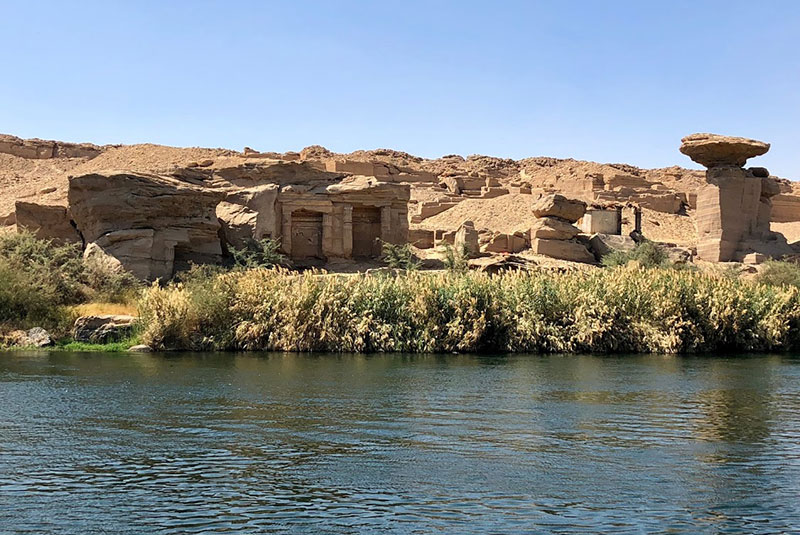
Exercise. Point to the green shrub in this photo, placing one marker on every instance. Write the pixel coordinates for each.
(39, 278)
(400, 256)
(779, 273)
(109, 283)
(263, 253)
(647, 254)
(456, 258)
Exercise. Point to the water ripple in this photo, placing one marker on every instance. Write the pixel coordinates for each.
(388, 444)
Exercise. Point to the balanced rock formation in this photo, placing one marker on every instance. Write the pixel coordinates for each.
(713, 150)
(554, 231)
(148, 223)
(734, 206)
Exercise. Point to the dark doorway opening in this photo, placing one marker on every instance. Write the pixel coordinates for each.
(366, 232)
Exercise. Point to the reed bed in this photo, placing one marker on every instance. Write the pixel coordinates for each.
(615, 310)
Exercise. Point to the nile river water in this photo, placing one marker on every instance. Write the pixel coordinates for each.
(277, 443)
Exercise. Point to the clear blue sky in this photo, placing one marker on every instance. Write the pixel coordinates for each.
(598, 80)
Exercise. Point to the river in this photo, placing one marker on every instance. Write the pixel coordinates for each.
(280, 443)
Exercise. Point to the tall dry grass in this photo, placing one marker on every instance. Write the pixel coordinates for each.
(624, 309)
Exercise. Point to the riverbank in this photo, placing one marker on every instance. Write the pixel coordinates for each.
(639, 303)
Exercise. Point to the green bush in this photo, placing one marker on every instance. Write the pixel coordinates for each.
(647, 254)
(39, 278)
(779, 273)
(400, 256)
(456, 258)
(263, 253)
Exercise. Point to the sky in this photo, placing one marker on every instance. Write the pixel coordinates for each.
(608, 81)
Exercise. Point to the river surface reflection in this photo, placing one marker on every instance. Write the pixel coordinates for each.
(278, 443)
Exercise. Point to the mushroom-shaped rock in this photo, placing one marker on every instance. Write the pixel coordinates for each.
(713, 150)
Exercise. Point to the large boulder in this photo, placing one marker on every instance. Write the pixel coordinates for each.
(556, 205)
(562, 250)
(553, 228)
(103, 329)
(151, 224)
(714, 150)
(46, 222)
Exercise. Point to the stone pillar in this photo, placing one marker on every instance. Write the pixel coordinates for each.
(328, 247)
(386, 224)
(727, 212)
(729, 206)
(286, 230)
(347, 231)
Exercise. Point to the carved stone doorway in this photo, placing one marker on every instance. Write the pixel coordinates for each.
(366, 232)
(306, 235)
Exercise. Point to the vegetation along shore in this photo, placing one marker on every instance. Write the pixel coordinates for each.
(638, 302)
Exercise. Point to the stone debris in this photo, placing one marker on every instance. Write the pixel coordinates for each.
(603, 244)
(499, 242)
(498, 263)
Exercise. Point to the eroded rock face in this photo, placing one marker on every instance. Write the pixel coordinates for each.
(248, 214)
(559, 206)
(42, 149)
(46, 222)
(713, 150)
(148, 223)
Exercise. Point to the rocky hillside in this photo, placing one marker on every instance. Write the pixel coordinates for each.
(492, 192)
